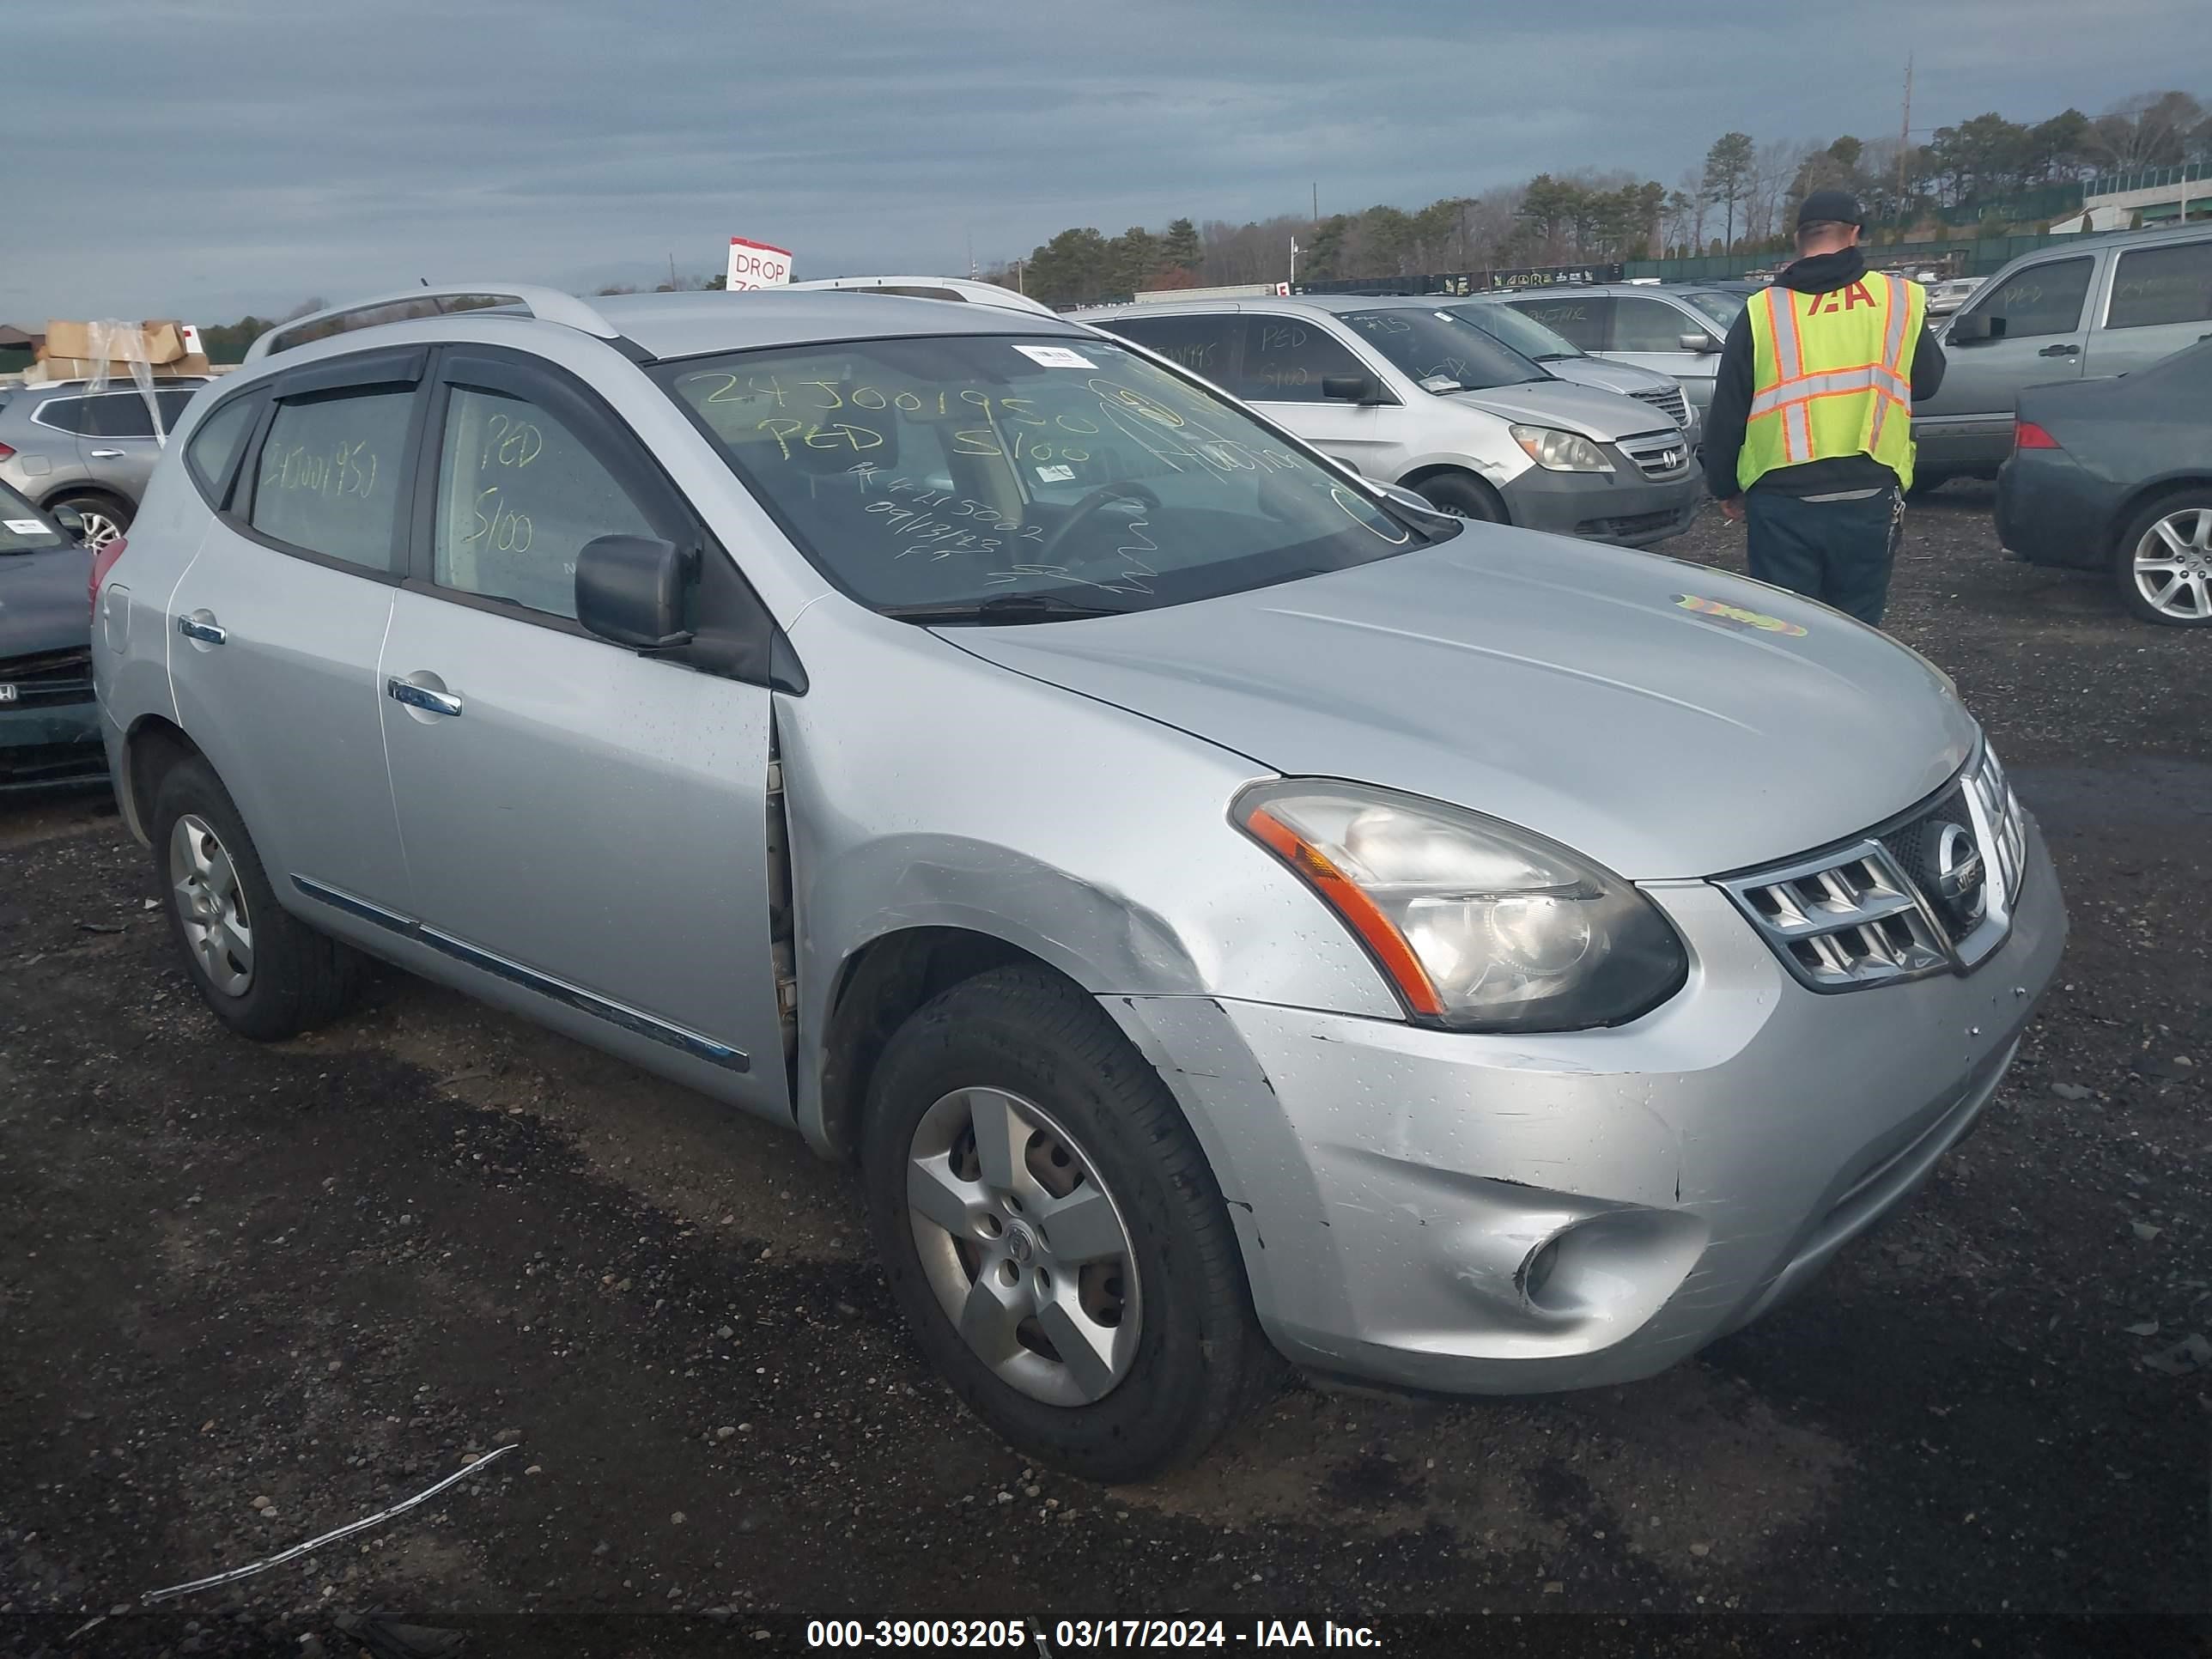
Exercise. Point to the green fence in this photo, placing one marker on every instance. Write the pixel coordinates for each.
(1978, 256)
(2111, 183)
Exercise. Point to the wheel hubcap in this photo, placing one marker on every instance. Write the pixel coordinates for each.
(2174, 565)
(1027, 1254)
(99, 529)
(211, 905)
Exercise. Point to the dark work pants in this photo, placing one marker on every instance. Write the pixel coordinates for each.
(1838, 552)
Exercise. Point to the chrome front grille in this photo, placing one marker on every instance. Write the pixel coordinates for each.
(1930, 892)
(1668, 399)
(1658, 454)
(47, 679)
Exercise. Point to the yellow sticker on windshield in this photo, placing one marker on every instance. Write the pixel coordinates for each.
(1736, 615)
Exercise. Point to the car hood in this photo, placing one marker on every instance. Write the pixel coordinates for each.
(43, 606)
(1625, 377)
(1595, 413)
(1556, 684)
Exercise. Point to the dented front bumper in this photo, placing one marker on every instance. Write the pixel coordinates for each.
(1395, 1188)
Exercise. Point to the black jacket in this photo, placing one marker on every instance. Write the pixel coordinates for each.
(1731, 393)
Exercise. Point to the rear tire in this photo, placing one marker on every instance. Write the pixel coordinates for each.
(1080, 1288)
(265, 973)
(2163, 563)
(106, 518)
(1462, 496)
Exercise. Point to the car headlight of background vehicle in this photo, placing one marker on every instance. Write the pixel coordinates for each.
(1478, 925)
(1560, 452)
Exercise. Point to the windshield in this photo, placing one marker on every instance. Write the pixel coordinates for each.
(1517, 329)
(1717, 303)
(1435, 347)
(21, 528)
(937, 476)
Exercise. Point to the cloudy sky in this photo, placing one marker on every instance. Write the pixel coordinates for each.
(201, 158)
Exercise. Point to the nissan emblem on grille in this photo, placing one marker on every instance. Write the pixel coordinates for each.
(1931, 892)
(1955, 872)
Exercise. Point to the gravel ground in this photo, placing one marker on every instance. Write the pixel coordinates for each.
(251, 1294)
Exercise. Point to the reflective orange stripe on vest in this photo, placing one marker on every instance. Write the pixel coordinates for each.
(1795, 390)
(1892, 355)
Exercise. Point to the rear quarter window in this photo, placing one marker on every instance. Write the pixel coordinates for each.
(213, 449)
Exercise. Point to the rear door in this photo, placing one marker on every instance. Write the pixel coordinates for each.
(117, 441)
(2161, 302)
(1584, 319)
(1203, 343)
(2039, 316)
(581, 821)
(275, 629)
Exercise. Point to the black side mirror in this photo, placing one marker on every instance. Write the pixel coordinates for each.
(70, 521)
(1351, 388)
(631, 589)
(1972, 330)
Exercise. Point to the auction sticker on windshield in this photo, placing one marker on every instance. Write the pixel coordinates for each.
(1733, 615)
(1055, 356)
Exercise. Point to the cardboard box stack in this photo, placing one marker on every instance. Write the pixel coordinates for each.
(79, 351)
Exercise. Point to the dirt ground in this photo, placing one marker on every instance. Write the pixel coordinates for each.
(249, 1294)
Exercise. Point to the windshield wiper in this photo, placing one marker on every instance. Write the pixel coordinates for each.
(1004, 608)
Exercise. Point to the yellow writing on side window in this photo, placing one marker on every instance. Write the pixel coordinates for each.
(343, 469)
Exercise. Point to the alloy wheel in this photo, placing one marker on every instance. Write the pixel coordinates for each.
(211, 905)
(1026, 1250)
(2174, 565)
(100, 530)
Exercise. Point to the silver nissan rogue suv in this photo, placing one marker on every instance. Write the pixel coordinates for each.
(1226, 909)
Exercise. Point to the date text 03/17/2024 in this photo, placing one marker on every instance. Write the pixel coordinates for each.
(1082, 1635)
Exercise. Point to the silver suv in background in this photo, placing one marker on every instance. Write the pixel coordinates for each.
(2089, 306)
(1224, 911)
(1561, 356)
(1402, 390)
(63, 445)
(1676, 331)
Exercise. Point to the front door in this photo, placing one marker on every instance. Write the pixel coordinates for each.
(580, 821)
(1283, 369)
(1648, 333)
(2037, 321)
(2160, 303)
(275, 627)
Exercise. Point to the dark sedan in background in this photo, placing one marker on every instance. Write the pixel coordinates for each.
(2116, 475)
(49, 723)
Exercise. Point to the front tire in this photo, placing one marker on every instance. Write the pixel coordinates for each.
(265, 973)
(1052, 1233)
(2163, 564)
(1462, 497)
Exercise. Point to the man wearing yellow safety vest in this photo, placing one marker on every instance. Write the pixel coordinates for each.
(1809, 440)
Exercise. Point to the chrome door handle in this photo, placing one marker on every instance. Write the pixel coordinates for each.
(418, 697)
(207, 633)
(2059, 351)
(106, 454)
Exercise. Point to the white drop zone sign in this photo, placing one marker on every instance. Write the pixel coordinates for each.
(757, 264)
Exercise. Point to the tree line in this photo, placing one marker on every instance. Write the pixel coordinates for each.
(1741, 199)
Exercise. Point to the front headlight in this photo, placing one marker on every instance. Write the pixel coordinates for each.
(1560, 452)
(1476, 924)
